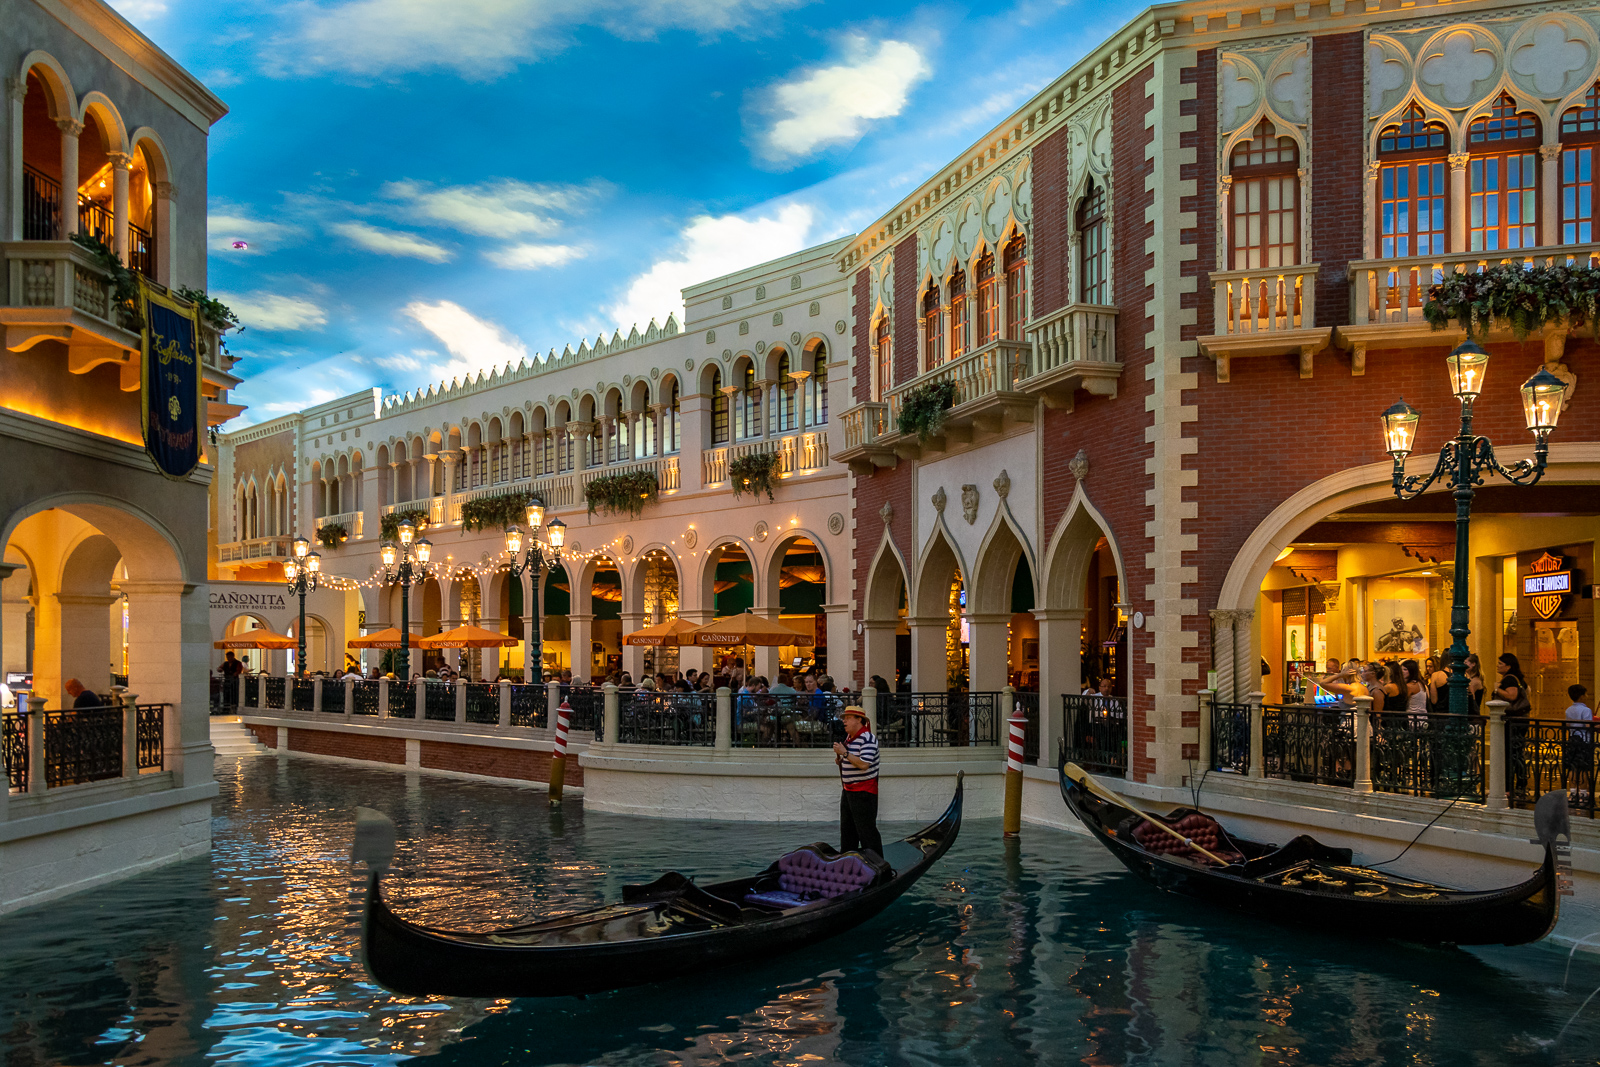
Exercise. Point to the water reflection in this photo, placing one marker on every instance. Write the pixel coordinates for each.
(1018, 952)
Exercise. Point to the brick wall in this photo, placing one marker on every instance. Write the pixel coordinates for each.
(862, 338)
(1337, 150)
(267, 735)
(1052, 223)
(495, 762)
(1203, 171)
(905, 305)
(350, 746)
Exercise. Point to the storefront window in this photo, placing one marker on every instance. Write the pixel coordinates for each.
(1305, 639)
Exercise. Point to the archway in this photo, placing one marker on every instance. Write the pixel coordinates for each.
(886, 636)
(1004, 634)
(797, 585)
(653, 597)
(939, 631)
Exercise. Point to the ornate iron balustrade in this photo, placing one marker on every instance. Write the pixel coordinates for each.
(1028, 703)
(1230, 737)
(402, 700)
(304, 695)
(1546, 754)
(649, 718)
(1094, 733)
(1439, 756)
(483, 703)
(274, 691)
(938, 720)
(14, 749)
(82, 745)
(786, 720)
(438, 701)
(364, 697)
(141, 251)
(41, 205)
(150, 732)
(588, 704)
(528, 705)
(1308, 744)
(252, 692)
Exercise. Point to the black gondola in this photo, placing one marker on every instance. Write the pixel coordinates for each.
(663, 930)
(1307, 883)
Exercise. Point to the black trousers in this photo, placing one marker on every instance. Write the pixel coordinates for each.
(858, 821)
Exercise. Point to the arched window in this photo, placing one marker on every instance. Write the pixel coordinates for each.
(958, 314)
(883, 361)
(1503, 178)
(1266, 201)
(719, 410)
(817, 390)
(988, 300)
(1580, 136)
(749, 404)
(1092, 255)
(932, 328)
(788, 396)
(1016, 269)
(669, 420)
(1413, 192)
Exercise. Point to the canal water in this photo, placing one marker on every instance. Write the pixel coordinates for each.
(1047, 953)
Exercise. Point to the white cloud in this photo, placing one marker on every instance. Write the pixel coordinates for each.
(491, 209)
(392, 242)
(270, 311)
(474, 344)
(711, 247)
(137, 11)
(484, 39)
(832, 105)
(532, 256)
(227, 225)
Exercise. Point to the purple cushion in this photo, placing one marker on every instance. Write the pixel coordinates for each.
(804, 872)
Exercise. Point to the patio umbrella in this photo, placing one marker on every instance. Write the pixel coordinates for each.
(662, 633)
(257, 639)
(747, 629)
(389, 638)
(469, 637)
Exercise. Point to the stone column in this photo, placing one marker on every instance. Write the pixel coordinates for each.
(929, 671)
(121, 164)
(1222, 653)
(461, 700)
(168, 664)
(1246, 662)
(16, 93)
(724, 723)
(71, 129)
(989, 666)
(869, 704)
(841, 664)
(130, 733)
(1257, 732)
(1458, 200)
(1363, 717)
(163, 229)
(504, 718)
(611, 710)
(1204, 699)
(1550, 194)
(632, 655)
(85, 642)
(36, 775)
(582, 625)
(1060, 671)
(1494, 790)
(877, 649)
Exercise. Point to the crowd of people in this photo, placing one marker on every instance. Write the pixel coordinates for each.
(1423, 688)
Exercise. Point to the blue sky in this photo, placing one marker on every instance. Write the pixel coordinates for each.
(431, 187)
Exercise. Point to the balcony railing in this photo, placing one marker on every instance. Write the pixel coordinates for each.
(1393, 291)
(1074, 348)
(78, 745)
(938, 720)
(267, 548)
(1094, 733)
(797, 454)
(41, 220)
(982, 377)
(60, 275)
(352, 522)
(646, 718)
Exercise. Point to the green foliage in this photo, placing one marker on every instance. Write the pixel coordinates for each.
(389, 528)
(218, 316)
(124, 282)
(753, 474)
(332, 535)
(1524, 299)
(922, 409)
(621, 494)
(495, 511)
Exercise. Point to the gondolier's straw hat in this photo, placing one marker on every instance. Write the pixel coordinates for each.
(854, 709)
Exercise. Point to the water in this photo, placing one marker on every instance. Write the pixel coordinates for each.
(1048, 954)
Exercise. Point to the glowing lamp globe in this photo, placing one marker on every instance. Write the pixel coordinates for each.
(1400, 429)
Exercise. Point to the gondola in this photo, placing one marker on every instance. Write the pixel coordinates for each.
(1307, 883)
(666, 929)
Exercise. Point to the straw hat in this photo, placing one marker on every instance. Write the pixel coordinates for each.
(854, 709)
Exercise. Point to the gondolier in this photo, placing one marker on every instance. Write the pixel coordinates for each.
(857, 757)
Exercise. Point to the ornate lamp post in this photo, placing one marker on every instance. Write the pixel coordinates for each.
(412, 555)
(540, 554)
(300, 574)
(1463, 462)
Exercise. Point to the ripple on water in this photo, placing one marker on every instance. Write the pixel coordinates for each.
(1044, 952)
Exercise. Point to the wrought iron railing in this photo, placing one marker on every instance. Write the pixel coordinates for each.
(588, 704)
(529, 704)
(14, 749)
(483, 702)
(304, 695)
(1438, 756)
(1230, 737)
(402, 700)
(252, 692)
(141, 251)
(649, 718)
(438, 701)
(1546, 754)
(274, 691)
(938, 720)
(41, 206)
(82, 745)
(150, 732)
(786, 720)
(1094, 733)
(1308, 744)
(1028, 703)
(363, 697)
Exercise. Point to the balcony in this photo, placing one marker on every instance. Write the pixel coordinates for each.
(868, 438)
(352, 522)
(1269, 312)
(798, 453)
(987, 395)
(1074, 348)
(56, 293)
(1387, 297)
(265, 549)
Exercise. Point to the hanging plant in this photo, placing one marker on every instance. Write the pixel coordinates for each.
(389, 527)
(494, 511)
(621, 494)
(922, 409)
(124, 283)
(753, 474)
(218, 316)
(1523, 299)
(332, 535)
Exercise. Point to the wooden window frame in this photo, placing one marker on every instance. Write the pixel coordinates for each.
(1094, 286)
(1014, 262)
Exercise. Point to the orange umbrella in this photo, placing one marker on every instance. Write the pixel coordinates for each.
(747, 629)
(389, 638)
(257, 639)
(469, 637)
(662, 633)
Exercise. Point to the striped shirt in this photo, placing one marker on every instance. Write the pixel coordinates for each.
(864, 747)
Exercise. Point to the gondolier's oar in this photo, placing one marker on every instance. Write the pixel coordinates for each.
(1083, 779)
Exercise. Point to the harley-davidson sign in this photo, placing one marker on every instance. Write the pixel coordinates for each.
(1547, 585)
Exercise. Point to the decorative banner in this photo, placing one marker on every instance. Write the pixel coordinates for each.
(1547, 585)
(170, 400)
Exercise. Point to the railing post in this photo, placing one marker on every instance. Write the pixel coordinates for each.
(869, 704)
(419, 705)
(552, 703)
(613, 712)
(349, 697)
(36, 782)
(1363, 714)
(383, 698)
(505, 703)
(1257, 735)
(461, 701)
(724, 719)
(239, 680)
(1494, 790)
(1206, 697)
(316, 696)
(130, 734)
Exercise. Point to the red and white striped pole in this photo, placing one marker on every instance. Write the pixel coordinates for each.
(1012, 824)
(558, 758)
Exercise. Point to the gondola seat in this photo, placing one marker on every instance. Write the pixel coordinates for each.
(807, 875)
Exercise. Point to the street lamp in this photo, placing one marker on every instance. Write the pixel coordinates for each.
(412, 556)
(1463, 461)
(300, 574)
(532, 563)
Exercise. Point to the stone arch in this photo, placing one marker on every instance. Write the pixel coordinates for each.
(772, 570)
(714, 556)
(107, 117)
(1063, 583)
(1003, 547)
(633, 579)
(62, 100)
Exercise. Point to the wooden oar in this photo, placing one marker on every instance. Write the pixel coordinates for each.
(1082, 778)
